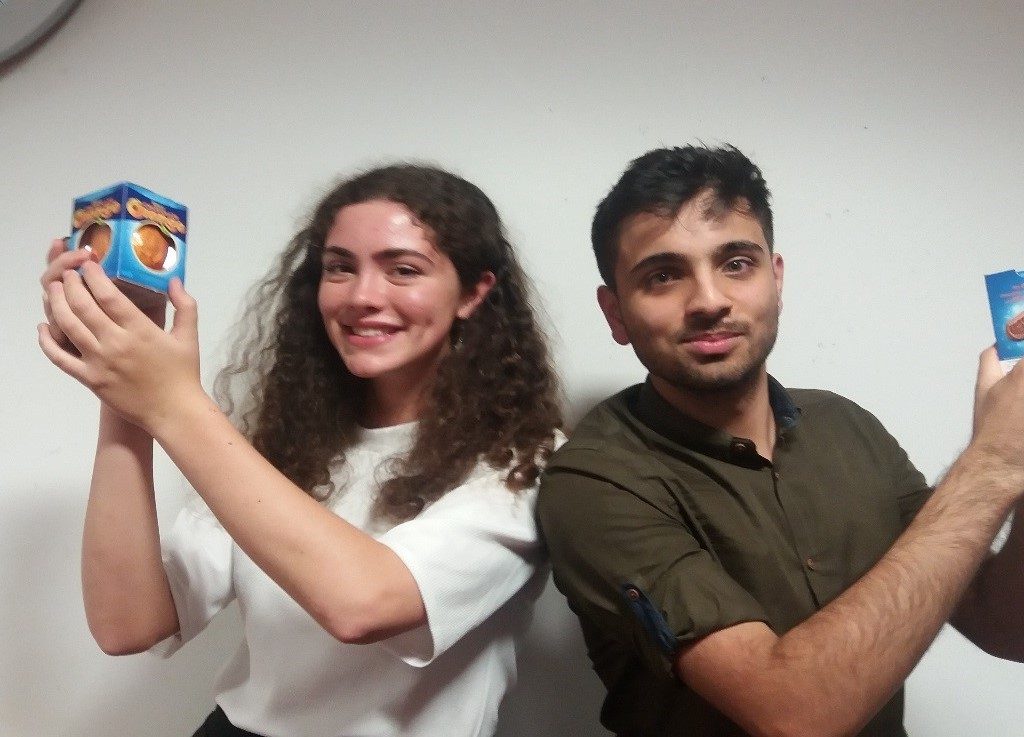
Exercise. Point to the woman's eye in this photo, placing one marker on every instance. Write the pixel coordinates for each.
(335, 268)
(404, 271)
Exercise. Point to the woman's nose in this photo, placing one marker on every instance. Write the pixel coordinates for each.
(367, 290)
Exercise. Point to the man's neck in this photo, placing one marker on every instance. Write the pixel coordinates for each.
(743, 411)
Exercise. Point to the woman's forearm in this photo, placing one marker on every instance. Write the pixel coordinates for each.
(357, 588)
(128, 601)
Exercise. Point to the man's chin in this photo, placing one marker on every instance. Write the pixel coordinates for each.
(715, 379)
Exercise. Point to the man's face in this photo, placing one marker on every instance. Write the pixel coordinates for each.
(698, 296)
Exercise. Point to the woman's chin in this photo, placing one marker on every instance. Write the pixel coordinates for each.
(364, 370)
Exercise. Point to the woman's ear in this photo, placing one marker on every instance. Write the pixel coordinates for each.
(472, 297)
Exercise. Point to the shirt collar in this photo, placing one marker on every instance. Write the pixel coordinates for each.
(652, 409)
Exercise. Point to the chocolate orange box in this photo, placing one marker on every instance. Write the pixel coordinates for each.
(1006, 300)
(138, 235)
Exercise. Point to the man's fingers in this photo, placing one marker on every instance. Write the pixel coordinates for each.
(989, 374)
(989, 370)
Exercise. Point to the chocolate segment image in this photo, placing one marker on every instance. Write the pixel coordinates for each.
(96, 238)
(153, 248)
(1015, 327)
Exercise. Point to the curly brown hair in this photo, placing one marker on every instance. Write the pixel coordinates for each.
(495, 395)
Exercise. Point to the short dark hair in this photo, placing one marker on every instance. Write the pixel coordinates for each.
(663, 180)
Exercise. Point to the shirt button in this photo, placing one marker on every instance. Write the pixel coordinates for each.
(739, 446)
(811, 564)
(775, 475)
(633, 594)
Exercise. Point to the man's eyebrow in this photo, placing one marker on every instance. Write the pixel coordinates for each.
(663, 258)
(737, 247)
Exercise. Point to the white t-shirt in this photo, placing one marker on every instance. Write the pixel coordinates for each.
(476, 558)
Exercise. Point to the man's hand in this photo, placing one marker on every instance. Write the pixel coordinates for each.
(999, 413)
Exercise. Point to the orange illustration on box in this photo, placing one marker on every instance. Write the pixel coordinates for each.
(152, 247)
(96, 238)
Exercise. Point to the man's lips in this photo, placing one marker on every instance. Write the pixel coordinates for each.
(714, 342)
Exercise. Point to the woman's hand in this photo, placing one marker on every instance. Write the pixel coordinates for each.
(130, 363)
(59, 259)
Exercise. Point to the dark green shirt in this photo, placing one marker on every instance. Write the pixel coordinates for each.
(663, 530)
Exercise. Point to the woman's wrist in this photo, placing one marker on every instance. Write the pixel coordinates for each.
(179, 412)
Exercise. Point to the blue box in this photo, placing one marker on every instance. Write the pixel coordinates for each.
(1006, 299)
(138, 235)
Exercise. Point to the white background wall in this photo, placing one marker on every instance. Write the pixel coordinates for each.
(889, 131)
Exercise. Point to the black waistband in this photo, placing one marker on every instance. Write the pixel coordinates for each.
(217, 725)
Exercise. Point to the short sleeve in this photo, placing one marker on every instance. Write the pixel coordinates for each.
(909, 487)
(633, 570)
(470, 552)
(912, 489)
(197, 558)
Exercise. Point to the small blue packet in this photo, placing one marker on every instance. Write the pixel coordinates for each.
(137, 235)
(1006, 300)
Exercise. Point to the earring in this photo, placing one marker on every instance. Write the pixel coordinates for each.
(455, 335)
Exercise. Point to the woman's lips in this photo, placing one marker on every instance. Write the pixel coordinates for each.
(368, 336)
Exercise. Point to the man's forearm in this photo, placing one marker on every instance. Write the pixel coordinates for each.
(831, 674)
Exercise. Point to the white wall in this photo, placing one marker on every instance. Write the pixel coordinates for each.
(889, 132)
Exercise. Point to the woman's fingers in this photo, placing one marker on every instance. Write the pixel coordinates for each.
(65, 318)
(59, 260)
(57, 247)
(111, 300)
(86, 307)
(186, 313)
(59, 357)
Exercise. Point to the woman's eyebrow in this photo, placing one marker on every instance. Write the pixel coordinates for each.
(387, 253)
(392, 253)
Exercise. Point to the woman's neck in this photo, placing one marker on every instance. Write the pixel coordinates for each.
(388, 405)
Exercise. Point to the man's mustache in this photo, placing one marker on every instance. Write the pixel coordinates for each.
(698, 329)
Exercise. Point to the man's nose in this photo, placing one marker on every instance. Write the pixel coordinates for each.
(707, 297)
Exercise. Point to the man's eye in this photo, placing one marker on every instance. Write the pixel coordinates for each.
(660, 277)
(737, 265)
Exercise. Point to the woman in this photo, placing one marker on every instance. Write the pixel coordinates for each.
(374, 517)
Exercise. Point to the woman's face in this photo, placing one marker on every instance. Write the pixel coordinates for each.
(388, 299)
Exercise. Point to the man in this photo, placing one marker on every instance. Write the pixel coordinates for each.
(746, 559)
